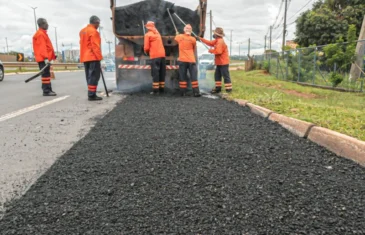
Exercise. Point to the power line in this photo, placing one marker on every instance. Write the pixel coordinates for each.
(215, 25)
(277, 17)
(301, 9)
(285, 26)
(280, 25)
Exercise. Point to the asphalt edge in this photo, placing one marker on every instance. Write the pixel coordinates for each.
(340, 144)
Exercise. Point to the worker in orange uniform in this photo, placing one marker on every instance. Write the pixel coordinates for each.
(90, 55)
(187, 61)
(220, 51)
(154, 47)
(44, 53)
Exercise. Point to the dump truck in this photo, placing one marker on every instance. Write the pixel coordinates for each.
(133, 70)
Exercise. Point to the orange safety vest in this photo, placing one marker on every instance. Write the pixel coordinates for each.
(90, 44)
(220, 50)
(153, 44)
(187, 45)
(42, 46)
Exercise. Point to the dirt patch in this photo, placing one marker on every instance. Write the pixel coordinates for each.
(300, 94)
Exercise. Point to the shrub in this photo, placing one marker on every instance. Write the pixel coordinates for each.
(266, 66)
(335, 79)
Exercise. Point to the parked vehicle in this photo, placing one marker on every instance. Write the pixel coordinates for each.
(207, 61)
(109, 66)
(2, 71)
(102, 63)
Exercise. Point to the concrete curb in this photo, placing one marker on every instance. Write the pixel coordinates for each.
(295, 126)
(340, 144)
(263, 112)
(241, 102)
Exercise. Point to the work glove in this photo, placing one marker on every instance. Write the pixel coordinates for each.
(46, 61)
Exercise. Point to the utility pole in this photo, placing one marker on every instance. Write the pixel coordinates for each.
(356, 67)
(101, 47)
(110, 53)
(239, 50)
(56, 41)
(230, 47)
(211, 22)
(7, 46)
(284, 30)
(265, 46)
(35, 18)
(270, 38)
(249, 45)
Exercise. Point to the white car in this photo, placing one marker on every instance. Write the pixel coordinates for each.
(207, 61)
(2, 71)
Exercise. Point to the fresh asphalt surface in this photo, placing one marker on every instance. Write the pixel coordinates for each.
(173, 165)
(32, 141)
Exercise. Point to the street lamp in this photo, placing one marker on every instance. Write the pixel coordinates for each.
(35, 18)
(56, 41)
(239, 50)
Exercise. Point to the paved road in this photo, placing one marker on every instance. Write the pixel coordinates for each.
(35, 133)
(184, 165)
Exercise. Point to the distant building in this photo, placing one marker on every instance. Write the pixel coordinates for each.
(291, 44)
(72, 55)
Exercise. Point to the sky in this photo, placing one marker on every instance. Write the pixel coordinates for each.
(247, 19)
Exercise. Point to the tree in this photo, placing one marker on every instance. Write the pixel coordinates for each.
(340, 56)
(329, 21)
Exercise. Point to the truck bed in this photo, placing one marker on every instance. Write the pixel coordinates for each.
(128, 19)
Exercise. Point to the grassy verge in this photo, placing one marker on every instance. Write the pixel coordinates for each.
(342, 112)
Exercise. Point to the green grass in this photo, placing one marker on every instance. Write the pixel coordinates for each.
(338, 111)
(236, 61)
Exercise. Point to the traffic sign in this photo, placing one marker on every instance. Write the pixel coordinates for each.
(20, 57)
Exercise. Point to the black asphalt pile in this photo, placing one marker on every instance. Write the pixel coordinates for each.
(175, 165)
(129, 18)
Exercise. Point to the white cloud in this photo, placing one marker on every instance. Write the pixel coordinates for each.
(247, 19)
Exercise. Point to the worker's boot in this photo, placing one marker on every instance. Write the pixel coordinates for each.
(162, 91)
(216, 90)
(183, 92)
(196, 92)
(95, 98)
(51, 93)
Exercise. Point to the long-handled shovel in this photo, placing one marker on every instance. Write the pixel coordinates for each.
(192, 31)
(38, 74)
(102, 76)
(172, 20)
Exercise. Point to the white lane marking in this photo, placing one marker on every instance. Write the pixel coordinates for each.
(31, 108)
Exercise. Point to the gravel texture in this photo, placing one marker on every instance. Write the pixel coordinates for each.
(172, 165)
(128, 18)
